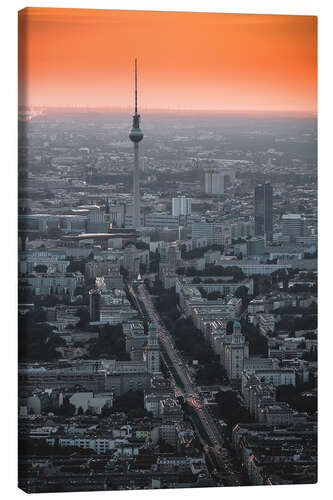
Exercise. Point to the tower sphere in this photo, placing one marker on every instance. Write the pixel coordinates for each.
(136, 134)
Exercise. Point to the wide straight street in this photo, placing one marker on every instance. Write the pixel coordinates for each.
(191, 393)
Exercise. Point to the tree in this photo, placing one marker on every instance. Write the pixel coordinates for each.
(154, 259)
(56, 341)
(66, 409)
(84, 317)
(300, 402)
(167, 306)
(229, 327)
(138, 413)
(311, 356)
(231, 409)
(36, 341)
(79, 290)
(211, 373)
(76, 265)
(305, 403)
(40, 268)
(257, 341)
(106, 411)
(123, 272)
(285, 393)
(141, 245)
(214, 295)
(110, 342)
(242, 292)
(190, 340)
(142, 268)
(165, 447)
(131, 400)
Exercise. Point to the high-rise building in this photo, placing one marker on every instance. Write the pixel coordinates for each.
(292, 225)
(263, 211)
(136, 135)
(174, 256)
(181, 206)
(236, 351)
(153, 350)
(94, 304)
(214, 182)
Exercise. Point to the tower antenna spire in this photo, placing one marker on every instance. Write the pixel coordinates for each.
(136, 86)
(136, 136)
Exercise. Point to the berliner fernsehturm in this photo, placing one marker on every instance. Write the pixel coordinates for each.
(136, 136)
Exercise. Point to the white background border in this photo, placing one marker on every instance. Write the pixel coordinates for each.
(8, 246)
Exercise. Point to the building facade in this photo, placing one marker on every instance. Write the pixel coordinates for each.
(263, 211)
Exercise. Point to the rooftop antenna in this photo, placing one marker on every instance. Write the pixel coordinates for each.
(136, 117)
(136, 86)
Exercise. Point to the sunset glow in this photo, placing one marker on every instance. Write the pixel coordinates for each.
(236, 62)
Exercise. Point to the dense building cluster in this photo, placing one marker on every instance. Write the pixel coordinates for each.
(167, 339)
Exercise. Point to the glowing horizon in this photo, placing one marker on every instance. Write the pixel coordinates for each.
(204, 62)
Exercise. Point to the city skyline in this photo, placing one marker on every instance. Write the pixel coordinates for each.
(259, 63)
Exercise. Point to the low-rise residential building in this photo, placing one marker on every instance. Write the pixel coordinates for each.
(266, 323)
(61, 284)
(278, 453)
(91, 401)
(225, 285)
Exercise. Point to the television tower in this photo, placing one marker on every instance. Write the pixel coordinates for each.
(136, 136)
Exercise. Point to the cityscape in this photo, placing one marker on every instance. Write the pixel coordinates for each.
(167, 298)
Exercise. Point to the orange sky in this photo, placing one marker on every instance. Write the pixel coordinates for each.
(186, 60)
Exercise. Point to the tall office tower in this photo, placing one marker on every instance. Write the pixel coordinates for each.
(94, 304)
(136, 136)
(181, 206)
(214, 182)
(263, 210)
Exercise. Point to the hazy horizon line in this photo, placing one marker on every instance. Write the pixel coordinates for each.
(128, 109)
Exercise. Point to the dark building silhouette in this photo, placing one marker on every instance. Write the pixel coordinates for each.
(94, 304)
(263, 210)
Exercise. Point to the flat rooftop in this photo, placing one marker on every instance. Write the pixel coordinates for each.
(99, 236)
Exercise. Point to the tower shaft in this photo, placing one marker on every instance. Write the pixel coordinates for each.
(136, 188)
